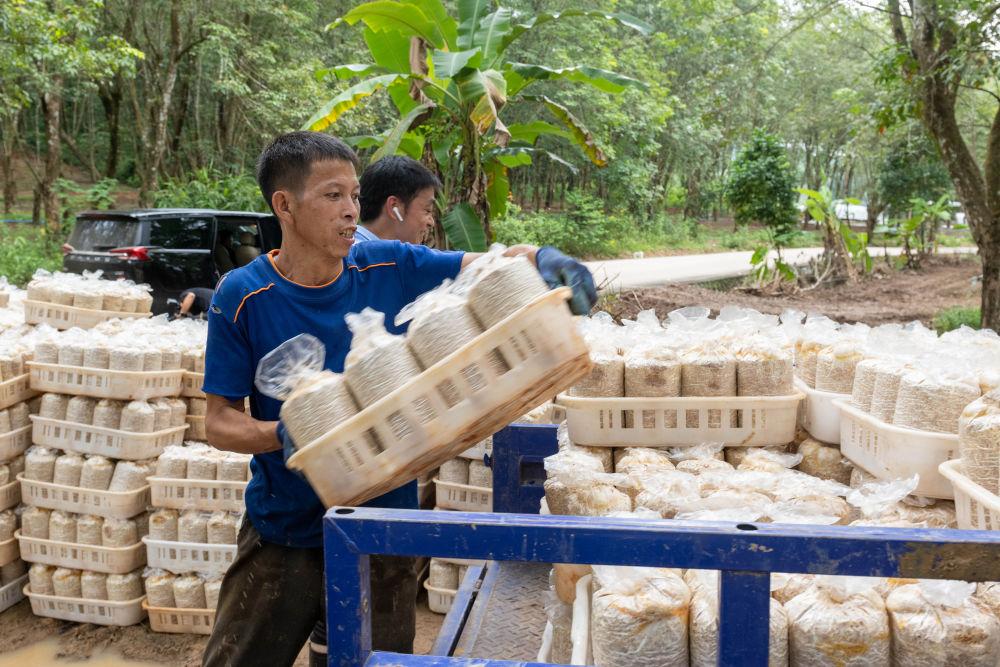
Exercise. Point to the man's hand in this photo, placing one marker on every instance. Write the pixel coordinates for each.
(557, 269)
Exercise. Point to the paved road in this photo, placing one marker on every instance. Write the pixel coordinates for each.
(618, 274)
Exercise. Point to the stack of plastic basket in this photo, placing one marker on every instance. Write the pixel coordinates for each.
(191, 382)
(15, 437)
(117, 510)
(196, 481)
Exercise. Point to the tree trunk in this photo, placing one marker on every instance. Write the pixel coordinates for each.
(52, 101)
(111, 100)
(7, 147)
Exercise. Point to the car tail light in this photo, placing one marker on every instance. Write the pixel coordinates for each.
(140, 253)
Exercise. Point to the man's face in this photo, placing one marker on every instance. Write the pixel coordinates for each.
(326, 211)
(418, 217)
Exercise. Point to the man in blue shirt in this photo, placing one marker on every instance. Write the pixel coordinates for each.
(272, 595)
(397, 201)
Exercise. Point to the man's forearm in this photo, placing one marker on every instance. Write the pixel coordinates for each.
(229, 428)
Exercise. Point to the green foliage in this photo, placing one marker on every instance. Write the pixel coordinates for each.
(207, 188)
(919, 232)
(845, 249)
(953, 318)
(761, 186)
(24, 251)
(911, 169)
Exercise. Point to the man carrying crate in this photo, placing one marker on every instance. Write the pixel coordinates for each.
(272, 596)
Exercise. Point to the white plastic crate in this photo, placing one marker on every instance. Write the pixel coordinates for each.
(424, 491)
(110, 560)
(13, 443)
(975, 507)
(439, 599)
(80, 610)
(66, 317)
(462, 497)
(10, 495)
(197, 494)
(893, 452)
(819, 414)
(181, 557)
(180, 621)
(104, 383)
(16, 390)
(109, 504)
(416, 428)
(196, 428)
(736, 421)
(479, 450)
(87, 439)
(13, 592)
(9, 551)
(191, 385)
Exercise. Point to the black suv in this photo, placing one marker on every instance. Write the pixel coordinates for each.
(172, 249)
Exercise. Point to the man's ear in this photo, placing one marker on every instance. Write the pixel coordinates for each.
(281, 202)
(390, 202)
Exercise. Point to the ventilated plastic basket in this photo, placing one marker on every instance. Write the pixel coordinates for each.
(180, 621)
(736, 421)
(12, 593)
(191, 385)
(819, 414)
(10, 495)
(975, 507)
(452, 496)
(196, 428)
(893, 452)
(16, 390)
(13, 443)
(104, 383)
(197, 494)
(87, 439)
(109, 504)
(439, 599)
(67, 317)
(9, 551)
(79, 610)
(181, 557)
(110, 560)
(418, 426)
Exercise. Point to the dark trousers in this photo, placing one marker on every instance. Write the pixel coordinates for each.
(273, 598)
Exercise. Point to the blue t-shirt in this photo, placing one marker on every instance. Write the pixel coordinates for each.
(362, 233)
(256, 309)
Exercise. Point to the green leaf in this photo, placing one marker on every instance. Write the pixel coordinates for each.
(759, 255)
(442, 150)
(448, 63)
(349, 71)
(580, 135)
(609, 82)
(491, 32)
(812, 194)
(402, 127)
(786, 271)
(347, 100)
(470, 13)
(435, 11)
(412, 145)
(530, 132)
(389, 16)
(400, 94)
(497, 189)
(390, 50)
(621, 19)
(514, 159)
(852, 201)
(464, 228)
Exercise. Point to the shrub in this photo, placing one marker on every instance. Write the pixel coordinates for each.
(208, 188)
(953, 318)
(21, 253)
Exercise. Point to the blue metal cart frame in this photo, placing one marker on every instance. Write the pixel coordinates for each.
(745, 554)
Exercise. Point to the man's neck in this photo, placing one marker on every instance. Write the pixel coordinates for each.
(300, 265)
(384, 228)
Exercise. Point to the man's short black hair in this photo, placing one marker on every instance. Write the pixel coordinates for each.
(286, 161)
(393, 176)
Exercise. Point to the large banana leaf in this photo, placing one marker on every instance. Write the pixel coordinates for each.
(580, 135)
(491, 33)
(390, 49)
(411, 144)
(347, 100)
(449, 63)
(464, 228)
(519, 75)
(401, 17)
(435, 11)
(530, 132)
(497, 188)
(621, 19)
(349, 71)
(470, 13)
(402, 127)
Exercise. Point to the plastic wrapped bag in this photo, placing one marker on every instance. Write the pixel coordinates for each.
(639, 459)
(378, 362)
(816, 334)
(709, 370)
(560, 617)
(499, 286)
(440, 323)
(877, 499)
(639, 618)
(940, 623)
(838, 622)
(666, 493)
(764, 460)
(314, 400)
(933, 401)
(979, 441)
(652, 370)
(824, 461)
(763, 368)
(577, 485)
(835, 366)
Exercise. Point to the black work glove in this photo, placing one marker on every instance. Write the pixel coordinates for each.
(558, 269)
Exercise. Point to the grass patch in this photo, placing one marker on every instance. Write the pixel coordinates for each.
(953, 318)
(24, 249)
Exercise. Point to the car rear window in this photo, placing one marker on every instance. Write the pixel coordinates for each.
(102, 235)
(181, 233)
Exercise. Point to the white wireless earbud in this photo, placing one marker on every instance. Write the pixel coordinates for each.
(399, 216)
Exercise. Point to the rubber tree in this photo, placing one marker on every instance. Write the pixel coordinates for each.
(451, 82)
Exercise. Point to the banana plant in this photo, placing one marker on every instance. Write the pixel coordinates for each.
(450, 81)
(845, 249)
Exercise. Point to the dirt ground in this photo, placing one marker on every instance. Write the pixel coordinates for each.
(29, 640)
(897, 296)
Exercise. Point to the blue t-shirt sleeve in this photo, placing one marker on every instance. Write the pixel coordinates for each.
(422, 268)
(228, 356)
